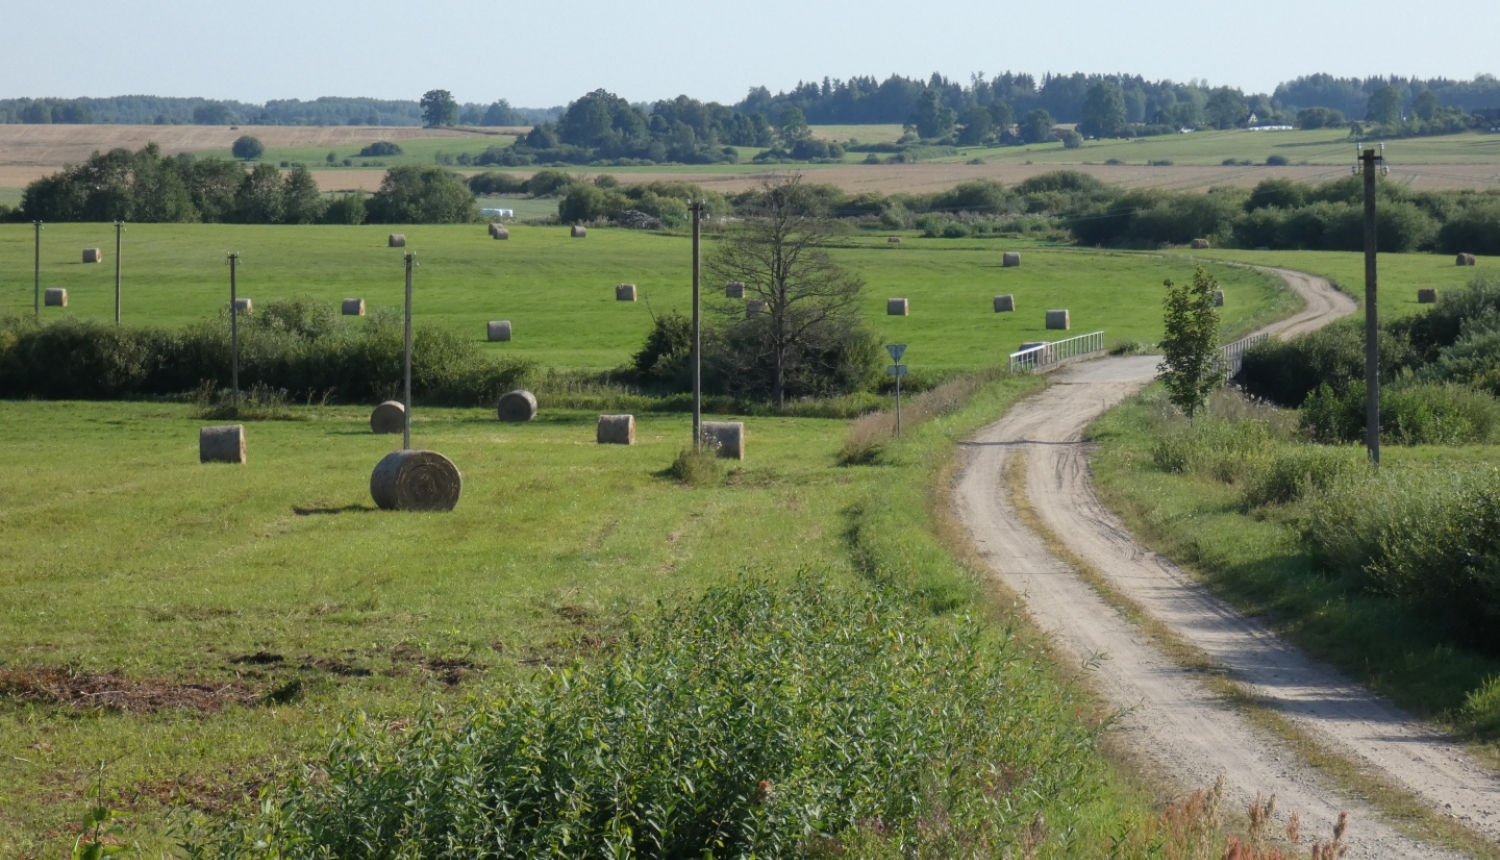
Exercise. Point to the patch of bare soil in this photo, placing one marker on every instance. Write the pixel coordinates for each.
(112, 692)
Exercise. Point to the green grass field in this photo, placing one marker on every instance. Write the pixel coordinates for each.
(421, 151)
(863, 133)
(559, 292)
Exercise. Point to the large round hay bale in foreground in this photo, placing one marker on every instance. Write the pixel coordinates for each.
(1467, 260)
(1218, 298)
(517, 406)
(1005, 304)
(728, 437)
(625, 292)
(55, 297)
(1059, 320)
(93, 255)
(396, 240)
(1011, 260)
(734, 290)
(354, 307)
(222, 444)
(616, 430)
(1200, 244)
(388, 417)
(416, 481)
(580, 231)
(499, 331)
(1427, 297)
(244, 307)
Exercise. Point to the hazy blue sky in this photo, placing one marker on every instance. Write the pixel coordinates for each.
(540, 54)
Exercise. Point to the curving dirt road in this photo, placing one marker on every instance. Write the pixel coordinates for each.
(1173, 719)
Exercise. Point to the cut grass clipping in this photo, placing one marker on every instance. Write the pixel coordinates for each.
(759, 720)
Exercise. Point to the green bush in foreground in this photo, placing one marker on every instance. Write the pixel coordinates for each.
(759, 720)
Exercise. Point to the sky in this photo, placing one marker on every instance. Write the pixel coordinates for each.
(544, 54)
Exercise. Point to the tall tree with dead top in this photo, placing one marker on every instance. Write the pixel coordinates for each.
(1190, 367)
(807, 336)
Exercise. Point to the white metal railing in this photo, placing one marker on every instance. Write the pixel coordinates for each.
(1044, 355)
(1232, 355)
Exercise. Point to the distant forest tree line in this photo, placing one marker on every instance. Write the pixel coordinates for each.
(328, 111)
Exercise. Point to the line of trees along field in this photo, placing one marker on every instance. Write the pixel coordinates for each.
(327, 111)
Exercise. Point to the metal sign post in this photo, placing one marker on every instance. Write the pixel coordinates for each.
(697, 209)
(36, 284)
(406, 397)
(898, 370)
(234, 330)
(119, 228)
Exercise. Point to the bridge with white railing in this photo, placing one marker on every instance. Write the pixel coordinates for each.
(1045, 356)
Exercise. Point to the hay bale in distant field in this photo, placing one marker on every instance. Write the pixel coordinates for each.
(754, 307)
(728, 437)
(517, 406)
(396, 240)
(1059, 319)
(734, 290)
(499, 331)
(244, 307)
(1005, 304)
(1218, 298)
(894, 240)
(55, 297)
(1200, 244)
(616, 430)
(897, 307)
(222, 444)
(1467, 260)
(93, 255)
(388, 417)
(1031, 344)
(416, 481)
(580, 231)
(499, 232)
(624, 292)
(1427, 297)
(1011, 259)
(354, 307)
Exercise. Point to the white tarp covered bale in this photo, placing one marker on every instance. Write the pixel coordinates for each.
(728, 437)
(1427, 297)
(1059, 319)
(734, 290)
(517, 406)
(388, 417)
(1005, 304)
(93, 255)
(354, 307)
(411, 480)
(55, 297)
(625, 292)
(616, 430)
(1010, 260)
(499, 331)
(897, 307)
(222, 444)
(396, 240)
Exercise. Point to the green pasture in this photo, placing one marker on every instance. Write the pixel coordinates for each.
(888, 133)
(421, 151)
(526, 208)
(559, 293)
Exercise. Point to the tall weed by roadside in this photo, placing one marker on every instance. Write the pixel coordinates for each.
(869, 434)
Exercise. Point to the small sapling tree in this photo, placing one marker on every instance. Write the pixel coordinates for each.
(1190, 367)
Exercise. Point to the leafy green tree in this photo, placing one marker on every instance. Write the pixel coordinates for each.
(1036, 126)
(1190, 367)
(1104, 111)
(792, 126)
(1426, 105)
(977, 128)
(438, 108)
(933, 119)
(212, 113)
(259, 199)
(422, 195)
(1003, 115)
(247, 148)
(302, 203)
(1385, 106)
(1072, 140)
(1226, 108)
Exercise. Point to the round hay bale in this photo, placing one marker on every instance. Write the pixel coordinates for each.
(1005, 304)
(499, 331)
(897, 308)
(727, 436)
(388, 417)
(1466, 259)
(625, 292)
(517, 406)
(894, 240)
(754, 307)
(244, 307)
(1010, 260)
(221, 444)
(616, 430)
(354, 307)
(396, 240)
(734, 290)
(580, 231)
(416, 481)
(1059, 320)
(55, 297)
(1427, 297)
(498, 232)
(1031, 344)
(1218, 298)
(1200, 244)
(93, 255)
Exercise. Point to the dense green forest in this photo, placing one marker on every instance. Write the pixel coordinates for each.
(332, 110)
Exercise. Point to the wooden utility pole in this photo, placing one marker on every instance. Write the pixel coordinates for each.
(119, 228)
(697, 208)
(1368, 163)
(406, 371)
(234, 329)
(36, 284)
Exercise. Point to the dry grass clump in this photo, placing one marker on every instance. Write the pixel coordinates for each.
(869, 434)
(698, 467)
(260, 403)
